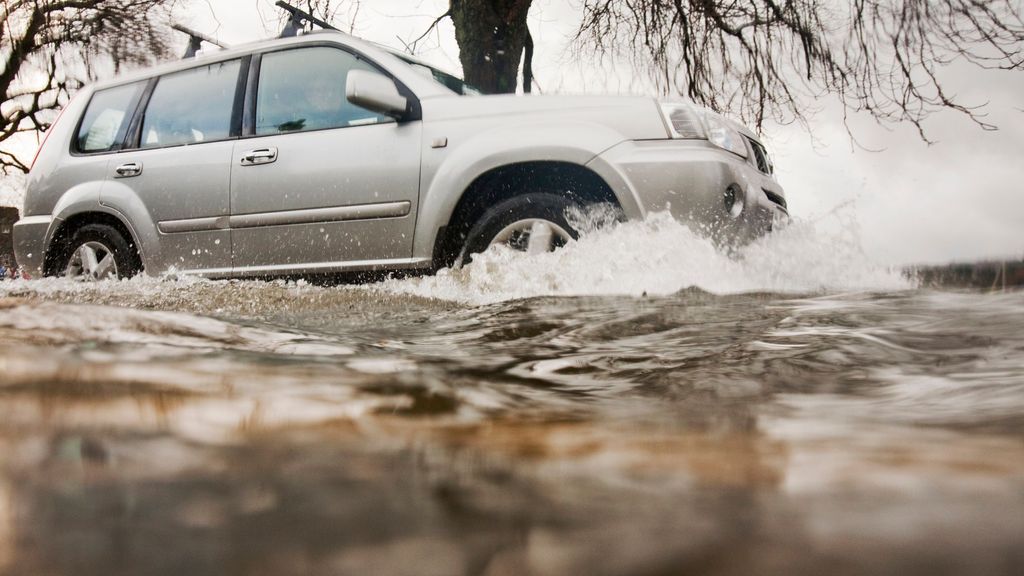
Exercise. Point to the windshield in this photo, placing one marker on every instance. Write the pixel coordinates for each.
(453, 83)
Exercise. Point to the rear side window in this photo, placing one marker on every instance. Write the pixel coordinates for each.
(191, 106)
(106, 119)
(304, 89)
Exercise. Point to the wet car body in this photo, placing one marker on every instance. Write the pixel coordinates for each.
(257, 191)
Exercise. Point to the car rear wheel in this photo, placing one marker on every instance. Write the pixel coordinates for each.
(532, 223)
(98, 252)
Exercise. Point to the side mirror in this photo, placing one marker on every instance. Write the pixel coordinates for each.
(375, 92)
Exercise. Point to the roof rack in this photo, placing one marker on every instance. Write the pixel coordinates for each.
(297, 20)
(196, 40)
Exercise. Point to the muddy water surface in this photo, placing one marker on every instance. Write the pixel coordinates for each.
(506, 419)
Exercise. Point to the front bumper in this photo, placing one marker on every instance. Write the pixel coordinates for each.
(30, 236)
(711, 190)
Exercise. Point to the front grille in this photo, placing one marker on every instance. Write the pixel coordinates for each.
(764, 164)
(775, 198)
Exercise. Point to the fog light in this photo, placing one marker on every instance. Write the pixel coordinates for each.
(733, 199)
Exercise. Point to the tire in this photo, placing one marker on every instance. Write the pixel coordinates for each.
(114, 255)
(543, 208)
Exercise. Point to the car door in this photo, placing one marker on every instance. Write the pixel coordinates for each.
(321, 184)
(177, 169)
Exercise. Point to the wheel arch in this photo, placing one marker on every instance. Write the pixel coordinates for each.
(66, 227)
(503, 182)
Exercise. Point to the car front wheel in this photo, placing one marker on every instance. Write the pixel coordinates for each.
(532, 223)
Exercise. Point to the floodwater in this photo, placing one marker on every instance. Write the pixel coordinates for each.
(637, 403)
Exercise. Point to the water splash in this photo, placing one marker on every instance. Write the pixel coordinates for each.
(657, 256)
(660, 256)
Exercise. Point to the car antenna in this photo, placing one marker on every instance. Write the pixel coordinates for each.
(196, 40)
(297, 20)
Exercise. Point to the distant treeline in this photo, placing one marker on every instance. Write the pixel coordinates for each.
(994, 275)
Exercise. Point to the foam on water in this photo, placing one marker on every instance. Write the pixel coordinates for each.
(662, 256)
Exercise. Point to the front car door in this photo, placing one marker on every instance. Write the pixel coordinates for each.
(320, 184)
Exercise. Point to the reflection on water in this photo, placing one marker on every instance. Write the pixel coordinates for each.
(192, 427)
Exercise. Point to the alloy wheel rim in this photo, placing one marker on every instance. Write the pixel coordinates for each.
(533, 236)
(92, 261)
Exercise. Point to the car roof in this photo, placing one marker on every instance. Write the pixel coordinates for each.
(394, 62)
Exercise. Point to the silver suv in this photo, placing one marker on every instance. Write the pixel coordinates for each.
(323, 153)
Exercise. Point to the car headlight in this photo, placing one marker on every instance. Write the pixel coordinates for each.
(687, 122)
(722, 135)
(683, 120)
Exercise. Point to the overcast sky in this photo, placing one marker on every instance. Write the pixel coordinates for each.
(960, 198)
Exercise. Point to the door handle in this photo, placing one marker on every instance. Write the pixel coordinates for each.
(259, 156)
(128, 170)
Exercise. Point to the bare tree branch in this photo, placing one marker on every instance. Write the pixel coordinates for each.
(51, 47)
(433, 25)
(766, 58)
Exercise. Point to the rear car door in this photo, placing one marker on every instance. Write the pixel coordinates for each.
(176, 169)
(320, 184)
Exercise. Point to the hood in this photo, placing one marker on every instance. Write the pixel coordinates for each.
(635, 117)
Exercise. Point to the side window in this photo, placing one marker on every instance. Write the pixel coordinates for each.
(191, 106)
(304, 89)
(106, 119)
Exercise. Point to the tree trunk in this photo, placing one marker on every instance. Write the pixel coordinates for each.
(491, 36)
(528, 63)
